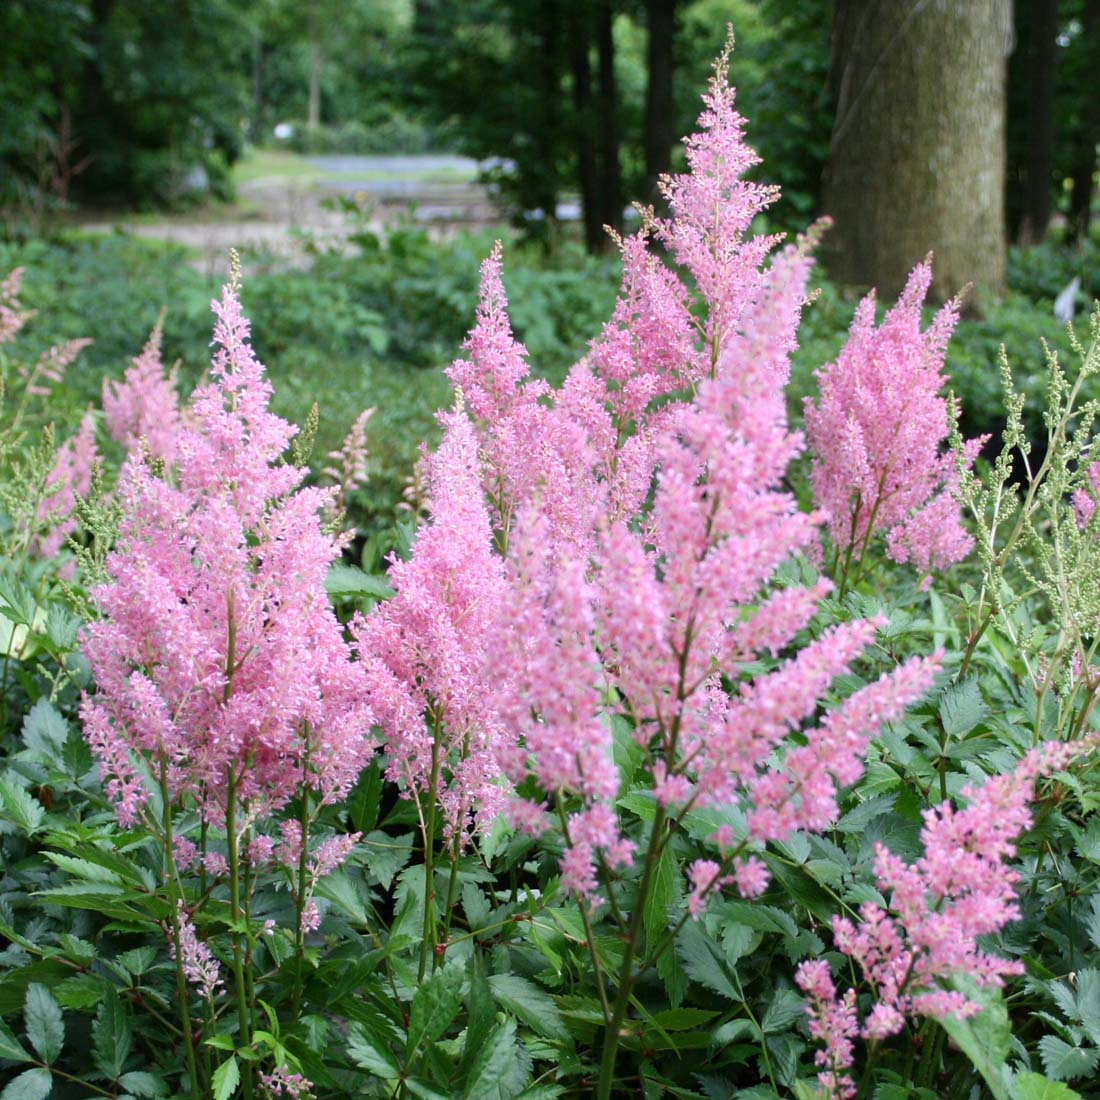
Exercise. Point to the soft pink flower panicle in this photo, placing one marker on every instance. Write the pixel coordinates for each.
(876, 433)
(217, 654)
(429, 646)
(961, 889)
(619, 539)
(12, 317)
(69, 479)
(144, 406)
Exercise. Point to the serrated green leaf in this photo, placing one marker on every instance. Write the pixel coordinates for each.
(962, 708)
(10, 1047)
(148, 1086)
(784, 1008)
(79, 991)
(84, 869)
(663, 894)
(45, 731)
(985, 1038)
(493, 1062)
(372, 1053)
(226, 1079)
(681, 1019)
(435, 1005)
(343, 892)
(532, 1005)
(345, 581)
(424, 1090)
(705, 962)
(1063, 1062)
(20, 807)
(44, 1023)
(31, 1084)
(386, 855)
(113, 1036)
(1034, 1086)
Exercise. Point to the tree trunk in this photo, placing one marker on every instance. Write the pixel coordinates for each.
(917, 157)
(1083, 171)
(1040, 48)
(659, 115)
(587, 168)
(313, 119)
(610, 184)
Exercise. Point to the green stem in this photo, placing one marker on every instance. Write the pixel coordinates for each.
(626, 976)
(428, 940)
(173, 907)
(245, 1037)
(452, 889)
(300, 905)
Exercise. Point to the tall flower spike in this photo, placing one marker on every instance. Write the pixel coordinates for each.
(876, 433)
(712, 208)
(217, 653)
(430, 644)
(940, 906)
(145, 404)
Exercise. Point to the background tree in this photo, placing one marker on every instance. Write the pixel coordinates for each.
(1033, 79)
(918, 146)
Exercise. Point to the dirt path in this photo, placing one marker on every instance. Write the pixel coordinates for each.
(278, 219)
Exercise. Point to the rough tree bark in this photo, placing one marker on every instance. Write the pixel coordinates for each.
(918, 147)
(659, 115)
(1037, 31)
(610, 182)
(1083, 172)
(587, 161)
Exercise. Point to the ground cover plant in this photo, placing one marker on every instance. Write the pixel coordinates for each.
(680, 750)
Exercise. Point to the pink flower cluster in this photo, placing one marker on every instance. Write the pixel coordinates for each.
(12, 317)
(876, 432)
(144, 406)
(200, 967)
(961, 889)
(70, 478)
(217, 656)
(604, 553)
(429, 647)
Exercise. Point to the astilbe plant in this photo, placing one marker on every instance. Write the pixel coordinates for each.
(224, 680)
(929, 934)
(641, 518)
(144, 407)
(43, 480)
(876, 433)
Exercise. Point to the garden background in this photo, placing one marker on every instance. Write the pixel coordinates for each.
(362, 158)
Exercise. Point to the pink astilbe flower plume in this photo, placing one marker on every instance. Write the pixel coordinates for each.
(644, 518)
(12, 316)
(144, 406)
(961, 889)
(69, 479)
(217, 655)
(430, 645)
(876, 433)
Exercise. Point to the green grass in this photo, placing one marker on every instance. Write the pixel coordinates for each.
(259, 164)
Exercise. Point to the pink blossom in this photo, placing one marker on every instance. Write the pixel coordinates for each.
(283, 1083)
(144, 405)
(348, 469)
(430, 646)
(200, 967)
(70, 479)
(12, 318)
(833, 1021)
(217, 651)
(1084, 499)
(876, 433)
(940, 906)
